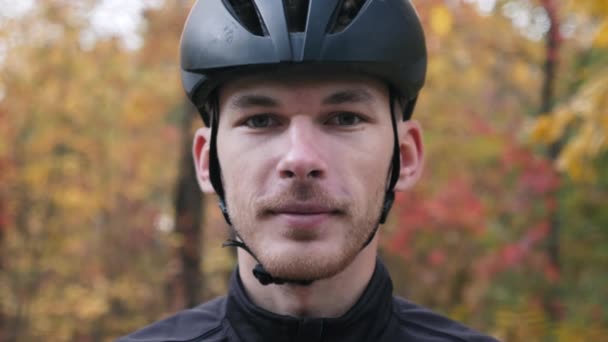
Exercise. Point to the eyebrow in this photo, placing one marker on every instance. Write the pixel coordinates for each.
(340, 97)
(348, 96)
(254, 100)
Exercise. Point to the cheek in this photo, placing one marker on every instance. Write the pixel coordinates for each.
(244, 170)
(239, 187)
(366, 165)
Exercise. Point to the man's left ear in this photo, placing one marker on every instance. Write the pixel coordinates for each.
(411, 150)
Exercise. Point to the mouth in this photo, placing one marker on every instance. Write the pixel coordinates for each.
(304, 209)
(303, 216)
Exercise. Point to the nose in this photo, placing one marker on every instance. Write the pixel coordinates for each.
(303, 158)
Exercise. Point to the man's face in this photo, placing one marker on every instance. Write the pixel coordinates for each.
(305, 163)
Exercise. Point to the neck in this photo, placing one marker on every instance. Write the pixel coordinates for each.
(326, 298)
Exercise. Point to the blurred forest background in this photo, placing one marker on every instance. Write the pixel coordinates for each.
(103, 230)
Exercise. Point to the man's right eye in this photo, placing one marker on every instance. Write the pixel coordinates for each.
(261, 121)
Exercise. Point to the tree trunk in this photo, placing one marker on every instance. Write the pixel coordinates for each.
(547, 102)
(186, 284)
(3, 229)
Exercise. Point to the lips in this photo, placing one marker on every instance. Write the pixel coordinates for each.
(303, 216)
(303, 209)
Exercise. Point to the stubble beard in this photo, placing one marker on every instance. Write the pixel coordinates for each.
(306, 263)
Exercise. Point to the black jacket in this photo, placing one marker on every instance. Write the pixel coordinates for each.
(377, 316)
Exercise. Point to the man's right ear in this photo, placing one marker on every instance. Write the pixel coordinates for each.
(200, 152)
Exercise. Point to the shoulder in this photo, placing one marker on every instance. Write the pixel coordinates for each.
(425, 325)
(203, 322)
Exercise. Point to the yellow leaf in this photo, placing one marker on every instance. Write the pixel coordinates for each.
(521, 73)
(441, 20)
(601, 40)
(541, 130)
(573, 160)
(561, 120)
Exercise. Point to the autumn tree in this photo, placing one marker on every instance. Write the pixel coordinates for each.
(472, 239)
(92, 144)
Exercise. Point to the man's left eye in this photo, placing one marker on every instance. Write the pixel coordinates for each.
(345, 119)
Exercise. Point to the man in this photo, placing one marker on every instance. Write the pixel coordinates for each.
(307, 105)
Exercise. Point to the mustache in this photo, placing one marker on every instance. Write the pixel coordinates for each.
(301, 192)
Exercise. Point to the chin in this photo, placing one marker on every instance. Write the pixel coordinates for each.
(307, 263)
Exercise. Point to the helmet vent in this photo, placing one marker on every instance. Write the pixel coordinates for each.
(346, 13)
(246, 13)
(296, 12)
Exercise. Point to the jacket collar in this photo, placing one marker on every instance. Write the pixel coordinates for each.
(366, 319)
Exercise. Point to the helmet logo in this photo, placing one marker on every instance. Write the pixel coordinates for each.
(228, 34)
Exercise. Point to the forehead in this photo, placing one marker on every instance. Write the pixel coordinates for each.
(283, 85)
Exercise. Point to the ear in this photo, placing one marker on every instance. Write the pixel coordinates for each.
(409, 136)
(200, 152)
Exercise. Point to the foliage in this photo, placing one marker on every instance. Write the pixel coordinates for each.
(85, 130)
(581, 116)
(474, 235)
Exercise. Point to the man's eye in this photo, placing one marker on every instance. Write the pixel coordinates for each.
(261, 121)
(345, 119)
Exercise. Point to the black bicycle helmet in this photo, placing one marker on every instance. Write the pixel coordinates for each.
(223, 39)
(227, 39)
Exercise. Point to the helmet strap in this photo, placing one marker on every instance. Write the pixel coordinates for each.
(215, 171)
(259, 272)
(389, 196)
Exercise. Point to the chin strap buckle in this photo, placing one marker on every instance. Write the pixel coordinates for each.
(264, 277)
(260, 273)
